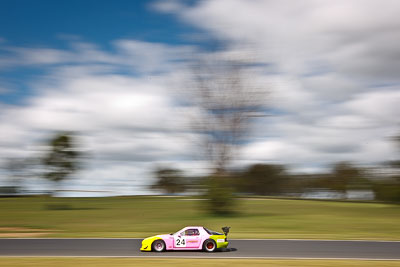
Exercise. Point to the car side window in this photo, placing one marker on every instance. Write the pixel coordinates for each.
(182, 233)
(192, 232)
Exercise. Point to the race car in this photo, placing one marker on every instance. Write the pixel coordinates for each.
(188, 238)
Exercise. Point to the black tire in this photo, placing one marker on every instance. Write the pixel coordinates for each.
(209, 245)
(158, 245)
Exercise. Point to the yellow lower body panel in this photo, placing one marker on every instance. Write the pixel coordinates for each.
(146, 243)
(222, 244)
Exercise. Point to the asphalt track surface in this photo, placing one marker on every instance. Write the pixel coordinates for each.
(299, 249)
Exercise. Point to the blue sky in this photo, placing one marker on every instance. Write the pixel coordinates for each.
(46, 22)
(116, 73)
(56, 24)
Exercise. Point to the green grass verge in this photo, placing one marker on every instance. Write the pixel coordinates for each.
(144, 216)
(99, 262)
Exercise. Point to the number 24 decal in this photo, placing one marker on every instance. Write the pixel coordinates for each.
(180, 242)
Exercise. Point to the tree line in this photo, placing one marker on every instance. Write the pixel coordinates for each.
(277, 180)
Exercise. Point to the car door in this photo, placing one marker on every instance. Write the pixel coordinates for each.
(180, 240)
(192, 238)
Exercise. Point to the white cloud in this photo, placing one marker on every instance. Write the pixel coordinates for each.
(331, 64)
(331, 67)
(381, 106)
(357, 37)
(168, 6)
(127, 124)
(131, 55)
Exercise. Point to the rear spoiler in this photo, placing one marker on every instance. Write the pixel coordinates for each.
(226, 230)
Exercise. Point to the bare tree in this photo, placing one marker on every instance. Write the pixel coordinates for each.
(227, 101)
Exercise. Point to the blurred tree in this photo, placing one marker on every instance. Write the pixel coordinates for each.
(170, 181)
(264, 179)
(346, 176)
(296, 184)
(62, 159)
(219, 194)
(395, 164)
(388, 189)
(17, 169)
(227, 101)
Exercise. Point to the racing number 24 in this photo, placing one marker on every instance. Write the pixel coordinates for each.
(180, 242)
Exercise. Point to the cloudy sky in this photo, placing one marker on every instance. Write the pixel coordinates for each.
(112, 71)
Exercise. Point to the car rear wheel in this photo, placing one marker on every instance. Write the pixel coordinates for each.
(158, 245)
(209, 245)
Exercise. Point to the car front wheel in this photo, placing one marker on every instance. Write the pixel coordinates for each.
(209, 245)
(158, 246)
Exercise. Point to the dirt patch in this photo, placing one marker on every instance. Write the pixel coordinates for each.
(23, 232)
(22, 235)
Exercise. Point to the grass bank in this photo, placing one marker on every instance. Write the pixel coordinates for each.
(144, 216)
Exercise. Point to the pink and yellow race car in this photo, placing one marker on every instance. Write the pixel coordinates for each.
(189, 238)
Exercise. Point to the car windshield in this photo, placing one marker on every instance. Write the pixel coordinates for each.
(178, 233)
(211, 232)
